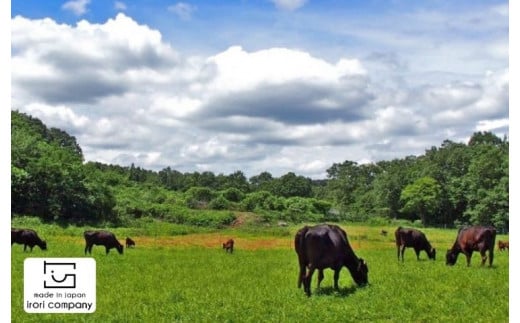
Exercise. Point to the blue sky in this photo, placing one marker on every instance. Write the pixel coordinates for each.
(278, 86)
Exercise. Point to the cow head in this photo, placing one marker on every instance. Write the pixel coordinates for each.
(432, 253)
(43, 245)
(451, 257)
(120, 248)
(360, 275)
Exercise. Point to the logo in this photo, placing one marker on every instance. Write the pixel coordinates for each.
(59, 285)
(68, 281)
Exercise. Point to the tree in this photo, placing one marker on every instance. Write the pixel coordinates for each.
(487, 185)
(422, 197)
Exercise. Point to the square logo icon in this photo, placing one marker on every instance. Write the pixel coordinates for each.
(60, 285)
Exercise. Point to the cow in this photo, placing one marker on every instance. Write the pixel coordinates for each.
(27, 237)
(469, 239)
(326, 246)
(228, 245)
(130, 242)
(384, 232)
(503, 245)
(101, 237)
(412, 238)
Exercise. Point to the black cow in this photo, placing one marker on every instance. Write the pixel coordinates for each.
(101, 237)
(469, 239)
(412, 238)
(27, 237)
(129, 242)
(326, 246)
(228, 245)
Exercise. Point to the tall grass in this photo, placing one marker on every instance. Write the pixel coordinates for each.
(195, 284)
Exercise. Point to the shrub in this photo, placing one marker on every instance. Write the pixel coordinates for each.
(198, 197)
(233, 194)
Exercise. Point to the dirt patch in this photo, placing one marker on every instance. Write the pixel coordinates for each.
(214, 240)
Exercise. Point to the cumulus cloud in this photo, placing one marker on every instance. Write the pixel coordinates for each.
(77, 7)
(128, 96)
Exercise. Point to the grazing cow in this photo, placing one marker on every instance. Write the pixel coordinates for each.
(228, 245)
(100, 237)
(130, 242)
(384, 232)
(469, 239)
(27, 237)
(415, 239)
(503, 245)
(326, 246)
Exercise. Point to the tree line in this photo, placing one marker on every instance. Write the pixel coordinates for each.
(453, 184)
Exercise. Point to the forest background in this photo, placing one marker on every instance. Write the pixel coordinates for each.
(448, 186)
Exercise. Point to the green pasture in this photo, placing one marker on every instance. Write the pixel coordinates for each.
(167, 283)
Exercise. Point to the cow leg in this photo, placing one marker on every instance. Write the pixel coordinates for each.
(320, 276)
(336, 278)
(468, 257)
(491, 256)
(417, 252)
(86, 248)
(301, 277)
(107, 250)
(308, 279)
(403, 247)
(483, 256)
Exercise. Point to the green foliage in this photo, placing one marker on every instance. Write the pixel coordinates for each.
(254, 200)
(421, 197)
(453, 183)
(233, 194)
(487, 185)
(219, 203)
(199, 197)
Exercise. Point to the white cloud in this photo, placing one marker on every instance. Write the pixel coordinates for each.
(289, 4)
(119, 5)
(128, 96)
(182, 10)
(78, 7)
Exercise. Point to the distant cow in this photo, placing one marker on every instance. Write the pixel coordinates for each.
(503, 245)
(101, 237)
(326, 246)
(27, 237)
(469, 239)
(130, 242)
(228, 245)
(412, 238)
(384, 232)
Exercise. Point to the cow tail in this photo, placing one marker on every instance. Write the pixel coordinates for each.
(299, 245)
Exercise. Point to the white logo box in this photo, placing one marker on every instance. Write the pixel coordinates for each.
(60, 285)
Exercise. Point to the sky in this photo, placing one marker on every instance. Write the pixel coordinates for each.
(267, 85)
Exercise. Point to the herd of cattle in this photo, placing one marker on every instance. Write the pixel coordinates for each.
(320, 247)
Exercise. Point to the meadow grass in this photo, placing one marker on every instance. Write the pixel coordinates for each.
(182, 282)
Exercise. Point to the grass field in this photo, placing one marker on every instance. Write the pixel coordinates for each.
(189, 278)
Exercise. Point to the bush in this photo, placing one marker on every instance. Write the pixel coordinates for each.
(219, 203)
(199, 197)
(233, 194)
(254, 200)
